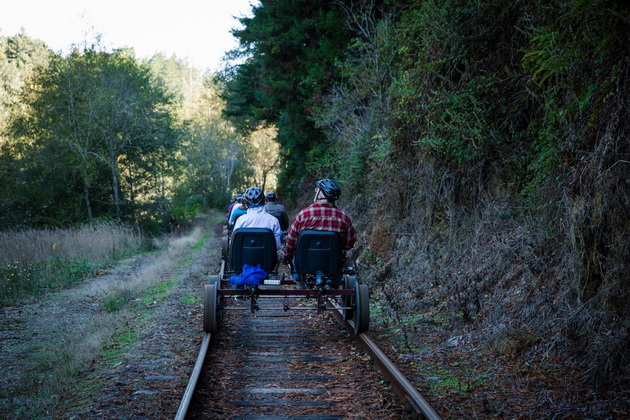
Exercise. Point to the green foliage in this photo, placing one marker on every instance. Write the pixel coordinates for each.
(444, 381)
(438, 109)
(200, 244)
(119, 344)
(15, 279)
(191, 300)
(355, 115)
(459, 82)
(213, 162)
(573, 62)
(192, 205)
(103, 136)
(182, 80)
(19, 56)
(157, 293)
(117, 301)
(289, 50)
(18, 281)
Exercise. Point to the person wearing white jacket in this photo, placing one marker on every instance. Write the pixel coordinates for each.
(257, 216)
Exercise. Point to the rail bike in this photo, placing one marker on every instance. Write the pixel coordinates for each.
(316, 276)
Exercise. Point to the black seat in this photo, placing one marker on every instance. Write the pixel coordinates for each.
(318, 252)
(253, 246)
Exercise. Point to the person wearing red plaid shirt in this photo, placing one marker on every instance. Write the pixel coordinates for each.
(323, 214)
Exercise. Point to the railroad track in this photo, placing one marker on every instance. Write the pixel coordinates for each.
(298, 364)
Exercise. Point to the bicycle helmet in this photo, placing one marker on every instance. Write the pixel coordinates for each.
(254, 197)
(271, 196)
(329, 188)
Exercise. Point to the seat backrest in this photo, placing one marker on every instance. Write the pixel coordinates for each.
(317, 250)
(253, 246)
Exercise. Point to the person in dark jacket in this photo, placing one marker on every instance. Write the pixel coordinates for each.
(277, 210)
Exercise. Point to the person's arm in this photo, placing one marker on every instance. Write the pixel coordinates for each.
(289, 243)
(277, 233)
(350, 236)
(231, 222)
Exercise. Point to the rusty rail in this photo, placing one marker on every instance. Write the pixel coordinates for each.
(410, 395)
(414, 402)
(194, 377)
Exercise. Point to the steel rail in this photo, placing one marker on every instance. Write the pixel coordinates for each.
(414, 402)
(194, 377)
(182, 411)
(410, 395)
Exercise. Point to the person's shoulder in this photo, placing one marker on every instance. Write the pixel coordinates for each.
(302, 213)
(309, 208)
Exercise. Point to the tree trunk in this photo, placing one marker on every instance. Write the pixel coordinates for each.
(88, 202)
(115, 185)
(132, 198)
(228, 176)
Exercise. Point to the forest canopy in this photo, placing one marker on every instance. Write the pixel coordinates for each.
(100, 134)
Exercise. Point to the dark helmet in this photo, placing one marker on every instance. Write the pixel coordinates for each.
(239, 198)
(330, 189)
(254, 197)
(271, 196)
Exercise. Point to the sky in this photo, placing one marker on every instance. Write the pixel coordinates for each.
(197, 31)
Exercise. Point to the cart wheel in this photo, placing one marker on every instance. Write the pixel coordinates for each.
(210, 308)
(214, 280)
(362, 312)
(349, 282)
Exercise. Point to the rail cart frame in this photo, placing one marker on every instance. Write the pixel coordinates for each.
(315, 276)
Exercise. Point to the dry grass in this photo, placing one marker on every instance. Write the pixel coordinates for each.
(472, 253)
(82, 326)
(96, 242)
(171, 251)
(35, 261)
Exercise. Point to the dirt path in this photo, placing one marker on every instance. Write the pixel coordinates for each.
(120, 345)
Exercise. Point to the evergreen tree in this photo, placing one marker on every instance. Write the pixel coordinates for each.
(290, 49)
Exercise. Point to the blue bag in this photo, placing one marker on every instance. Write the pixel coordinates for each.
(251, 276)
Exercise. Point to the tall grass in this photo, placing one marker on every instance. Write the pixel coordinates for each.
(34, 261)
(95, 242)
(54, 374)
